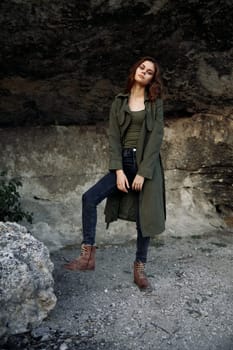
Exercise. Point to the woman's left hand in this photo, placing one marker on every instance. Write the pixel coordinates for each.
(138, 183)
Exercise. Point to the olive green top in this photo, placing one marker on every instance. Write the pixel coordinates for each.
(132, 134)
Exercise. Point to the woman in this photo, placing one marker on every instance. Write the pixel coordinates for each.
(134, 187)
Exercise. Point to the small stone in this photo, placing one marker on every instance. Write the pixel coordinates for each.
(46, 337)
(204, 313)
(63, 346)
(40, 332)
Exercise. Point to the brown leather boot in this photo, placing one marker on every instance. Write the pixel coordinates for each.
(86, 260)
(139, 275)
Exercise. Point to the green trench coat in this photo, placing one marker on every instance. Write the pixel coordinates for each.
(122, 205)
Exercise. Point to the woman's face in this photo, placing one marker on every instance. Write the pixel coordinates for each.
(144, 73)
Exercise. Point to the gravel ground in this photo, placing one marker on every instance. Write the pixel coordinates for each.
(190, 304)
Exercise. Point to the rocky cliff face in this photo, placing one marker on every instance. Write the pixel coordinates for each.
(62, 61)
(58, 164)
(61, 64)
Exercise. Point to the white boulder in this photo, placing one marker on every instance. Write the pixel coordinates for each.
(26, 281)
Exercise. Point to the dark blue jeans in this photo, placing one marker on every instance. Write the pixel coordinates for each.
(102, 189)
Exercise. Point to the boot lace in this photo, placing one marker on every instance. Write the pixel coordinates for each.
(140, 267)
(83, 250)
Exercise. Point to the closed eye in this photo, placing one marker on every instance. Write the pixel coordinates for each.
(149, 71)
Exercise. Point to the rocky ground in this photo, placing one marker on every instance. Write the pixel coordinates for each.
(189, 305)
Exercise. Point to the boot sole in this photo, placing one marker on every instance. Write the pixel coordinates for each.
(142, 287)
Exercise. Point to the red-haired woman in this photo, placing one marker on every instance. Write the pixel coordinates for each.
(134, 186)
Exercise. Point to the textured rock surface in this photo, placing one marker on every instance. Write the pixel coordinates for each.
(62, 61)
(198, 158)
(26, 282)
(57, 164)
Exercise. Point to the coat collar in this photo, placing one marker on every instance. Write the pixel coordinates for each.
(126, 96)
(124, 113)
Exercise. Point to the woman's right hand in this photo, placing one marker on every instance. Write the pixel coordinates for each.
(122, 181)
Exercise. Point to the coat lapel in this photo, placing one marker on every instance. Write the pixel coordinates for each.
(124, 116)
(149, 115)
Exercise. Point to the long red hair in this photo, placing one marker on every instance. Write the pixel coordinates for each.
(155, 87)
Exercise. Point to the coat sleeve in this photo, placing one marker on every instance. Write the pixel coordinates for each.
(115, 148)
(152, 148)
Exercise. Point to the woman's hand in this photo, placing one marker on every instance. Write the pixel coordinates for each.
(122, 181)
(138, 183)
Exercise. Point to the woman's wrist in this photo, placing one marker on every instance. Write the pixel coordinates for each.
(119, 171)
